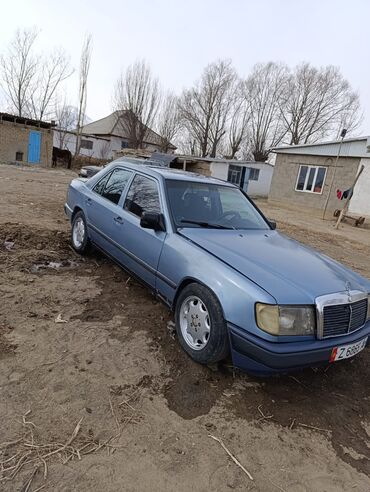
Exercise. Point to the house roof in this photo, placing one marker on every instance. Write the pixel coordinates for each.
(115, 124)
(22, 120)
(104, 126)
(84, 135)
(351, 147)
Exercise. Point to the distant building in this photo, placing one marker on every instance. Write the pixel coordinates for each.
(303, 175)
(91, 145)
(23, 140)
(103, 138)
(253, 177)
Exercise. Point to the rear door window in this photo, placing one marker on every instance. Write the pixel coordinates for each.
(143, 196)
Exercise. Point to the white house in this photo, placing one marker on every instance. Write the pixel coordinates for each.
(255, 177)
(102, 138)
(91, 145)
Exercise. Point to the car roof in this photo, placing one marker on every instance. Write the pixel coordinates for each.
(168, 173)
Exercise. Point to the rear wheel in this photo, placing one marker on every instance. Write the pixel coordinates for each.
(79, 238)
(200, 324)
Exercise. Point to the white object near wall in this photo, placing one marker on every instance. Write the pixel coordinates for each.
(360, 202)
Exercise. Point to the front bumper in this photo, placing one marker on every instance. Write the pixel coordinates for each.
(68, 211)
(255, 355)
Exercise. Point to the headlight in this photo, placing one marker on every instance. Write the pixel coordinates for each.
(286, 320)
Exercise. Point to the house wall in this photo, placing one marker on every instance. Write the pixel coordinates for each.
(286, 173)
(360, 202)
(101, 148)
(116, 144)
(219, 170)
(14, 137)
(259, 188)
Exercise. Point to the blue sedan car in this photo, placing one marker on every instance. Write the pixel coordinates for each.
(236, 284)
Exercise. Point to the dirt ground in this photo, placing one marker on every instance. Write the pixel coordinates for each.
(95, 393)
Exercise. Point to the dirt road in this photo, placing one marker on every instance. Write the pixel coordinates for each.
(79, 340)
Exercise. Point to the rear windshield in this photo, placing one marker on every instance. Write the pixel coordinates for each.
(195, 204)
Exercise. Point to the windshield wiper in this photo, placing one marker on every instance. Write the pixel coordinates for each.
(210, 225)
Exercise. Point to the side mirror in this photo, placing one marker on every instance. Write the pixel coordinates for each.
(150, 220)
(272, 223)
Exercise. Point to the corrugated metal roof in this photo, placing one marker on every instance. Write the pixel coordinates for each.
(351, 147)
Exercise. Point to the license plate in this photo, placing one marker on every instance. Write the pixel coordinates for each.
(347, 351)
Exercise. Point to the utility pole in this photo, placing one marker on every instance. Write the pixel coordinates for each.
(343, 134)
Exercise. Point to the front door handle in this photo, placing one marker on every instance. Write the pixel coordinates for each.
(119, 220)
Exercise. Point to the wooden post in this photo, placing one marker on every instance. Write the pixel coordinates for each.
(333, 178)
(346, 205)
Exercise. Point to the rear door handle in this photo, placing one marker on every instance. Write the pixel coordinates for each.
(88, 201)
(119, 220)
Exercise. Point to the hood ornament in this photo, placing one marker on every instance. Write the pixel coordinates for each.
(348, 289)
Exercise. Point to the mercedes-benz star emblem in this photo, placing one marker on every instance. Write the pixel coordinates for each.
(348, 289)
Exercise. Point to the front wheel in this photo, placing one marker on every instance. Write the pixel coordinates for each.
(200, 324)
(79, 238)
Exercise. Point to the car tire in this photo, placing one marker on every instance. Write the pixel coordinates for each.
(79, 236)
(197, 313)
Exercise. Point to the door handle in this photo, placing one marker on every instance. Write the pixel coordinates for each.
(119, 220)
(88, 201)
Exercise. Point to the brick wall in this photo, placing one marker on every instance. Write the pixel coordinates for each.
(285, 177)
(14, 138)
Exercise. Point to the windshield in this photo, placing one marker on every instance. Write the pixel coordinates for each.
(195, 204)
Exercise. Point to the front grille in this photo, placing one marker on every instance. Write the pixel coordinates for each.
(340, 319)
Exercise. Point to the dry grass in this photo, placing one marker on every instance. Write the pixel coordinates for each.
(29, 450)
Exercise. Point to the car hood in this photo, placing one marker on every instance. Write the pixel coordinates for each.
(290, 272)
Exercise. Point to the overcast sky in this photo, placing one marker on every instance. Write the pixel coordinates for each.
(179, 37)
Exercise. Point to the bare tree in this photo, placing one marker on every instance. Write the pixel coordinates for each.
(319, 102)
(185, 143)
(137, 93)
(238, 125)
(19, 66)
(264, 92)
(168, 121)
(205, 108)
(82, 97)
(51, 73)
(350, 118)
(30, 81)
(65, 116)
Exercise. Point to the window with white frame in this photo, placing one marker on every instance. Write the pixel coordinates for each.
(311, 179)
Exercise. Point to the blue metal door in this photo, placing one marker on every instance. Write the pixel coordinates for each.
(34, 147)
